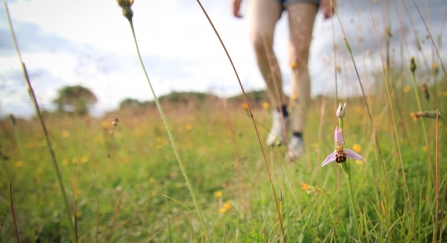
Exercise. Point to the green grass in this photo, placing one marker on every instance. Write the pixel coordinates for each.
(123, 177)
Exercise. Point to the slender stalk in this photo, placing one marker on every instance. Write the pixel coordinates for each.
(347, 170)
(431, 38)
(437, 179)
(169, 218)
(235, 151)
(396, 135)
(44, 128)
(424, 130)
(11, 201)
(171, 137)
(254, 124)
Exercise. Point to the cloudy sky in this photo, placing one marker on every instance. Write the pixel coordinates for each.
(67, 42)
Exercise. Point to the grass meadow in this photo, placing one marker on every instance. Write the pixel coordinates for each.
(123, 181)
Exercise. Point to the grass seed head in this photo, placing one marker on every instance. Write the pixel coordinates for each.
(412, 66)
(126, 6)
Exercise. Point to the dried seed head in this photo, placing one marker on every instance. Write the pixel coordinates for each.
(115, 122)
(425, 114)
(388, 31)
(125, 3)
(425, 90)
(126, 6)
(412, 66)
(435, 68)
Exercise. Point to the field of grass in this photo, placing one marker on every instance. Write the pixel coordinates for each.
(130, 187)
(124, 183)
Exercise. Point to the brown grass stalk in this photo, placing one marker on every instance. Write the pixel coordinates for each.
(236, 154)
(11, 201)
(254, 122)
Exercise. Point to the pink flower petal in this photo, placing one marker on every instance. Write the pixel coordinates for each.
(330, 158)
(338, 136)
(353, 155)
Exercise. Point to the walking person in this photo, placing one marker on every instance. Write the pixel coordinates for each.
(262, 16)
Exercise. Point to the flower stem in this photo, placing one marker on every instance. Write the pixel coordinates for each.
(346, 169)
(424, 130)
(171, 138)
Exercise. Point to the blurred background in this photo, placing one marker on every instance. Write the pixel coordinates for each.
(89, 43)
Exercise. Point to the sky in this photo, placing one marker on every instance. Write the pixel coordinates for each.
(89, 43)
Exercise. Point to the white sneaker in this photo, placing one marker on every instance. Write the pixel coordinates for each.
(295, 148)
(278, 132)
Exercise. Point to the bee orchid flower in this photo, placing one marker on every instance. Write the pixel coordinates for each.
(340, 154)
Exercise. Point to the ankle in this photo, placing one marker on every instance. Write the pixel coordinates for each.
(283, 109)
(298, 135)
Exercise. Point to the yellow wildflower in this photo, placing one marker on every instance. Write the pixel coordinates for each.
(188, 127)
(226, 205)
(406, 89)
(266, 105)
(65, 134)
(84, 159)
(126, 160)
(244, 106)
(359, 162)
(65, 161)
(19, 164)
(218, 194)
(30, 144)
(359, 110)
(151, 180)
(307, 188)
(304, 186)
(357, 148)
(106, 124)
(222, 210)
(424, 149)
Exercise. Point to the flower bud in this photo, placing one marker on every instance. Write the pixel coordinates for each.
(412, 66)
(341, 111)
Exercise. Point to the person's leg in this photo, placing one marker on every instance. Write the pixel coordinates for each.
(301, 20)
(263, 15)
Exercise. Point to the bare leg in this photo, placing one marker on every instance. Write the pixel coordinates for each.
(301, 20)
(263, 15)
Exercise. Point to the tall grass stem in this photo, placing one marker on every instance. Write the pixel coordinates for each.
(396, 135)
(254, 123)
(44, 128)
(437, 178)
(424, 129)
(171, 137)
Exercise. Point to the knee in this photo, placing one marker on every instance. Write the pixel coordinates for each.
(299, 59)
(260, 42)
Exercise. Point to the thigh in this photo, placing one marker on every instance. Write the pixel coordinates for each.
(301, 22)
(263, 15)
